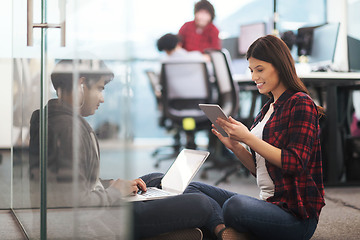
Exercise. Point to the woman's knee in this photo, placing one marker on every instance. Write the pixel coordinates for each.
(234, 207)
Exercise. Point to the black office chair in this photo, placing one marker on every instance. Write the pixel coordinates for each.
(228, 100)
(168, 151)
(184, 86)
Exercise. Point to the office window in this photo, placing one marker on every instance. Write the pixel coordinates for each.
(298, 13)
(150, 20)
(252, 11)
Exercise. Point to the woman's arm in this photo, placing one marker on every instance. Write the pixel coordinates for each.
(239, 150)
(239, 132)
(266, 150)
(301, 132)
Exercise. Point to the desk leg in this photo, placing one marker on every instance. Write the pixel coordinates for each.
(333, 144)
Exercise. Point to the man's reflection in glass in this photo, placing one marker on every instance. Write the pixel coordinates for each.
(73, 159)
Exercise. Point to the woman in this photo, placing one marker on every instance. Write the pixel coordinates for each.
(285, 155)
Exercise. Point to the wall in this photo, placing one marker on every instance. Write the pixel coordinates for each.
(337, 12)
(6, 71)
(5, 99)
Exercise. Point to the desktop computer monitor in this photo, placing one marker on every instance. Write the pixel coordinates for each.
(248, 34)
(304, 40)
(324, 44)
(353, 54)
(231, 44)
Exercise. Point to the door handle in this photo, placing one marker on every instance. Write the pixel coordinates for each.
(31, 25)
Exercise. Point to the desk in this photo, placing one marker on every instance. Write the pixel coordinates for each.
(337, 86)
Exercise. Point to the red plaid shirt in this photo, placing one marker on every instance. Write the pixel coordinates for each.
(193, 41)
(294, 128)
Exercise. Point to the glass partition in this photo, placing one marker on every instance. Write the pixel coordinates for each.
(5, 106)
(71, 140)
(26, 89)
(58, 192)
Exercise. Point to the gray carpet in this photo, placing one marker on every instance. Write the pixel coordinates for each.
(8, 227)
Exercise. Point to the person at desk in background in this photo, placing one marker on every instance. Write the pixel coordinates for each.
(150, 217)
(171, 44)
(201, 34)
(285, 156)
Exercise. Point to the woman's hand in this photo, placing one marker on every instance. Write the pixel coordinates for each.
(236, 130)
(236, 147)
(228, 142)
(239, 132)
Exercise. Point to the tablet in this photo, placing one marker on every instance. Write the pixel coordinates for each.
(213, 111)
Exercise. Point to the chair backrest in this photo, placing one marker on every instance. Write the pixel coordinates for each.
(184, 86)
(228, 97)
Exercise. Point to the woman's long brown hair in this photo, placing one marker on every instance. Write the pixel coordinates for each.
(273, 50)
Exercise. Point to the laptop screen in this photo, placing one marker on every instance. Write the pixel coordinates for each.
(182, 171)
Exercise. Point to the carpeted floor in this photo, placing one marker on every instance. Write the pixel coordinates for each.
(340, 218)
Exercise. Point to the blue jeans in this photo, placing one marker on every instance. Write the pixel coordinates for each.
(152, 218)
(262, 219)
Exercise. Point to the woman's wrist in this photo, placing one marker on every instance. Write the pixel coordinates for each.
(237, 147)
(234, 146)
(249, 138)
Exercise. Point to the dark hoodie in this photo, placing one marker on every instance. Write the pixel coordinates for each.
(65, 187)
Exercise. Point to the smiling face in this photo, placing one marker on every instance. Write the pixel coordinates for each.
(266, 77)
(93, 97)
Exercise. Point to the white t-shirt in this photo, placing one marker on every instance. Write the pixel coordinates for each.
(263, 179)
(181, 54)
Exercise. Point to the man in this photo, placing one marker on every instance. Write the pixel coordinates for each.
(171, 44)
(73, 159)
(201, 34)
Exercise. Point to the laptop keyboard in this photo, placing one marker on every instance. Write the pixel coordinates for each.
(154, 192)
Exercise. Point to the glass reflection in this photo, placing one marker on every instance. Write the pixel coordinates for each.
(73, 183)
(70, 136)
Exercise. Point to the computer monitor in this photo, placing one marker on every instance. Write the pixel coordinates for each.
(231, 44)
(324, 44)
(248, 34)
(304, 40)
(353, 54)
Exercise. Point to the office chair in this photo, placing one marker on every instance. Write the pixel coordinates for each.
(184, 86)
(169, 151)
(228, 100)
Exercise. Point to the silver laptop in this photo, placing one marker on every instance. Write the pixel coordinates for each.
(177, 178)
